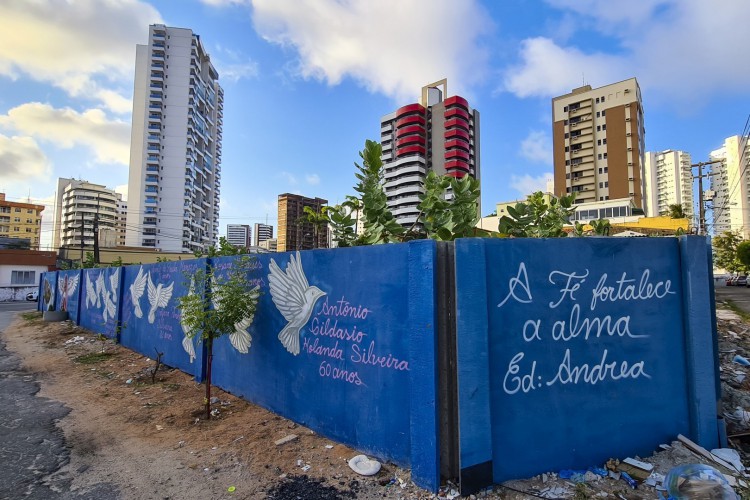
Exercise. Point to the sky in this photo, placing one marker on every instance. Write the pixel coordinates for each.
(307, 81)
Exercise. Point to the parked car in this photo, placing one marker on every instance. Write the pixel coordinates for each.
(741, 281)
(32, 296)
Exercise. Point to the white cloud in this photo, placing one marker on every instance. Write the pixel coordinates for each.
(289, 178)
(225, 3)
(82, 47)
(684, 50)
(537, 147)
(123, 190)
(526, 184)
(313, 179)
(234, 72)
(21, 159)
(108, 139)
(389, 46)
(549, 70)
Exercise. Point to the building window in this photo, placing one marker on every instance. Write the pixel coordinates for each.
(18, 210)
(598, 128)
(604, 141)
(29, 221)
(565, 109)
(603, 112)
(604, 127)
(16, 219)
(606, 184)
(567, 176)
(567, 149)
(606, 169)
(601, 184)
(599, 142)
(597, 100)
(567, 162)
(602, 98)
(566, 135)
(23, 277)
(605, 156)
(598, 114)
(565, 122)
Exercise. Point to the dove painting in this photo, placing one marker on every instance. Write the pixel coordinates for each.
(294, 298)
(100, 289)
(240, 338)
(158, 296)
(67, 287)
(109, 297)
(187, 342)
(136, 291)
(91, 294)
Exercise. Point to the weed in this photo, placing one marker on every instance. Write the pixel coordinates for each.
(735, 309)
(31, 315)
(93, 357)
(580, 493)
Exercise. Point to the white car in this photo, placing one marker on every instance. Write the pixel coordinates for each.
(32, 296)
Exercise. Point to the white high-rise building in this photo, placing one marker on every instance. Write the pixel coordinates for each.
(239, 235)
(175, 149)
(667, 181)
(439, 133)
(262, 233)
(79, 208)
(730, 187)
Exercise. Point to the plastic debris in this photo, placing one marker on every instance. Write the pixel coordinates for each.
(729, 455)
(626, 477)
(329, 447)
(215, 400)
(75, 340)
(129, 381)
(364, 466)
(598, 471)
(231, 489)
(690, 481)
(741, 360)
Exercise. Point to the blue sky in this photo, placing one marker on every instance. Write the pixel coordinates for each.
(306, 82)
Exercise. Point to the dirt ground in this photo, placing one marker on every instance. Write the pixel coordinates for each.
(152, 442)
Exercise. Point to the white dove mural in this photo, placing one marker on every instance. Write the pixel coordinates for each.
(91, 293)
(109, 297)
(136, 291)
(67, 287)
(100, 289)
(294, 298)
(240, 338)
(158, 296)
(187, 342)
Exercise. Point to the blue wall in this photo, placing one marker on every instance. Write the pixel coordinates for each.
(364, 371)
(148, 326)
(578, 345)
(69, 293)
(569, 352)
(101, 290)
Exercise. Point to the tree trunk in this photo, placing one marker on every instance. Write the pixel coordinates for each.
(210, 352)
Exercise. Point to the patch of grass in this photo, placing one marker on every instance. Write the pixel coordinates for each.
(735, 309)
(93, 357)
(32, 315)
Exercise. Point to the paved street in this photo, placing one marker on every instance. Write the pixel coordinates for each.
(32, 448)
(740, 295)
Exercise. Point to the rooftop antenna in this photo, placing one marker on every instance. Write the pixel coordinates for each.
(583, 78)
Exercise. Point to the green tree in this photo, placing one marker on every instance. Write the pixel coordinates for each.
(219, 304)
(537, 218)
(222, 249)
(447, 219)
(318, 221)
(725, 251)
(342, 223)
(380, 224)
(601, 227)
(743, 254)
(677, 212)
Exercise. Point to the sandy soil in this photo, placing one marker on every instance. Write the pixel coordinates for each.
(153, 442)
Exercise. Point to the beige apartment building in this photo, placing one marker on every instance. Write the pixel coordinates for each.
(598, 137)
(20, 221)
(293, 233)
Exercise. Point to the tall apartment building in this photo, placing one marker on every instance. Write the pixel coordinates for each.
(122, 219)
(80, 205)
(730, 184)
(20, 221)
(667, 180)
(598, 143)
(239, 235)
(262, 233)
(295, 234)
(439, 134)
(175, 150)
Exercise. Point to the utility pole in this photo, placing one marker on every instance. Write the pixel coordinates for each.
(82, 225)
(96, 232)
(701, 204)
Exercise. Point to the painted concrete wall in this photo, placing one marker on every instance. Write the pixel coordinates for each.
(69, 293)
(342, 342)
(592, 347)
(584, 345)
